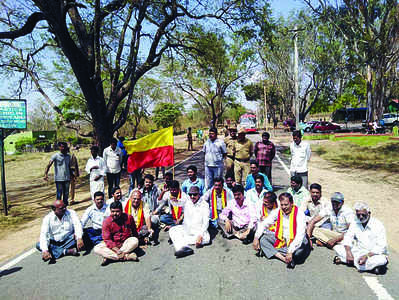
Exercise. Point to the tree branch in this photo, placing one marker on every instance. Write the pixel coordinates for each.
(30, 24)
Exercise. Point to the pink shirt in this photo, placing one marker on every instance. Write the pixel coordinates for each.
(242, 215)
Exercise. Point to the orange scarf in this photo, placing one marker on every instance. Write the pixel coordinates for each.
(280, 242)
(140, 214)
(265, 214)
(214, 203)
(176, 210)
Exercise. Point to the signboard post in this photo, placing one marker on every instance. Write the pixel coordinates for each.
(12, 116)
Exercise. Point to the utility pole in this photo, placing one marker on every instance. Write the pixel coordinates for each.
(296, 78)
(265, 110)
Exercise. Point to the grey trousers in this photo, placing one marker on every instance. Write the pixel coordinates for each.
(268, 239)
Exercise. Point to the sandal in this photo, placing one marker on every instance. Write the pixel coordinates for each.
(337, 260)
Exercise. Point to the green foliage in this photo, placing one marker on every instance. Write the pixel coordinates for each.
(77, 140)
(167, 114)
(20, 145)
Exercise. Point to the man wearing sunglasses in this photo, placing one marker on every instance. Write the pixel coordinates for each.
(365, 243)
(195, 225)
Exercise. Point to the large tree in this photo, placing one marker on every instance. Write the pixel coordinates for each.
(111, 44)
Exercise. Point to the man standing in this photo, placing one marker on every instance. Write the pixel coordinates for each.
(215, 152)
(298, 191)
(189, 140)
(120, 237)
(250, 179)
(217, 197)
(238, 218)
(365, 243)
(243, 150)
(140, 212)
(74, 167)
(95, 213)
(195, 225)
(113, 158)
(95, 166)
(264, 153)
(60, 234)
(340, 217)
(289, 242)
(121, 146)
(230, 142)
(300, 155)
(62, 171)
(193, 179)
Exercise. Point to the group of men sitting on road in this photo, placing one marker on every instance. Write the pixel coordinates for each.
(283, 228)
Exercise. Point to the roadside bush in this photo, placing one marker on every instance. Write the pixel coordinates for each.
(20, 146)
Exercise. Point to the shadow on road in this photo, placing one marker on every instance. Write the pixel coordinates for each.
(10, 271)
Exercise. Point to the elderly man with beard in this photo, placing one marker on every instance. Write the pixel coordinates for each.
(120, 237)
(140, 212)
(289, 242)
(217, 197)
(195, 225)
(365, 243)
(60, 234)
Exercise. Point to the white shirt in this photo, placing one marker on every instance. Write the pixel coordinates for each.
(300, 154)
(208, 198)
(253, 197)
(109, 201)
(113, 159)
(196, 217)
(300, 228)
(95, 162)
(340, 222)
(95, 215)
(371, 238)
(58, 230)
(259, 210)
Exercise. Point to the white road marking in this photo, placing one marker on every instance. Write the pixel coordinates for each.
(377, 288)
(17, 260)
(283, 164)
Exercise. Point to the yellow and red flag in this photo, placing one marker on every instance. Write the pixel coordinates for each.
(153, 150)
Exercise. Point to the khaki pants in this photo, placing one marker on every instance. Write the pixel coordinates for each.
(128, 246)
(324, 235)
(241, 171)
(72, 187)
(229, 165)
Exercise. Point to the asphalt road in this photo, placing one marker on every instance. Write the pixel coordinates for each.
(226, 269)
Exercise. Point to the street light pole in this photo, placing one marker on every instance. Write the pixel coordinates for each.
(296, 79)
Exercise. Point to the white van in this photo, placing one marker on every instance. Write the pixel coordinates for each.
(390, 119)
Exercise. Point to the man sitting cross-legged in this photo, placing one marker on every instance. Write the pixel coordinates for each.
(238, 218)
(140, 212)
(195, 225)
(95, 213)
(217, 198)
(60, 234)
(289, 242)
(175, 200)
(340, 217)
(120, 237)
(365, 243)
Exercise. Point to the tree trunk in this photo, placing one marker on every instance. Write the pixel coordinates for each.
(369, 86)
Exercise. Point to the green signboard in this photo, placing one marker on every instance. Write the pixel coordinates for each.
(12, 114)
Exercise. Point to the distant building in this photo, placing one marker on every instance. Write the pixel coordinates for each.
(9, 142)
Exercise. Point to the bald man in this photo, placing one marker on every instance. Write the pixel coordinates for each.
(61, 233)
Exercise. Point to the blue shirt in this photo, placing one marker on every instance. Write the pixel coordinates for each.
(214, 152)
(120, 145)
(250, 182)
(187, 184)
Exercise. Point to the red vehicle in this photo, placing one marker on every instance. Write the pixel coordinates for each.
(325, 127)
(248, 122)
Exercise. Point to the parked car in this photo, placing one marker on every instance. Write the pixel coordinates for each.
(325, 127)
(390, 119)
(308, 126)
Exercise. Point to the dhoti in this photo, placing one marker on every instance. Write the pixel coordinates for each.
(357, 252)
(182, 238)
(96, 186)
